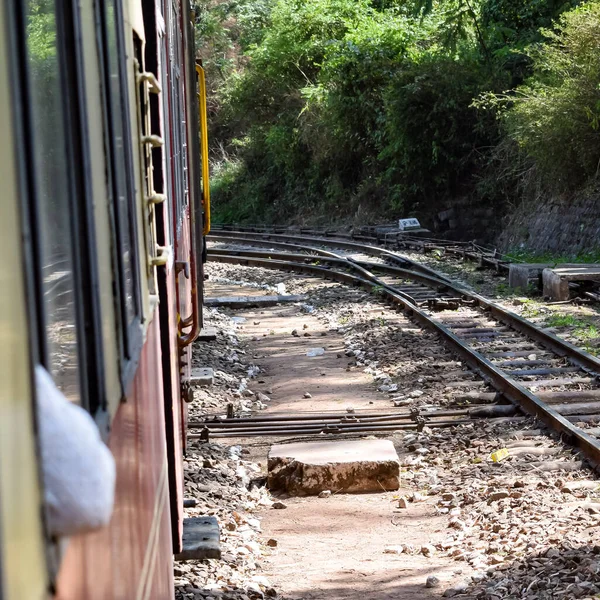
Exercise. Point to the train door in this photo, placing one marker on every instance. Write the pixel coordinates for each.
(157, 26)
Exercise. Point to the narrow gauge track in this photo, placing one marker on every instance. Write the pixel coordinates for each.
(535, 370)
(485, 257)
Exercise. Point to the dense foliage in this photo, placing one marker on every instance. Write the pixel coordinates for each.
(329, 108)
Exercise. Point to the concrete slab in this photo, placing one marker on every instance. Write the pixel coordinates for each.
(556, 281)
(251, 301)
(207, 334)
(353, 466)
(201, 539)
(201, 376)
(521, 275)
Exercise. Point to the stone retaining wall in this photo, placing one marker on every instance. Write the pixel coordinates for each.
(465, 219)
(559, 225)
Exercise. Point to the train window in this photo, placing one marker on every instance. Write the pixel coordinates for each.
(58, 218)
(50, 163)
(121, 167)
(178, 158)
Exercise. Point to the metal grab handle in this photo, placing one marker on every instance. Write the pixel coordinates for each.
(163, 254)
(204, 146)
(150, 78)
(193, 321)
(156, 198)
(154, 140)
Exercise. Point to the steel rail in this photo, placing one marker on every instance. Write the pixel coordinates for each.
(468, 249)
(433, 279)
(471, 250)
(338, 430)
(501, 380)
(354, 246)
(333, 430)
(285, 246)
(348, 417)
(426, 279)
(265, 421)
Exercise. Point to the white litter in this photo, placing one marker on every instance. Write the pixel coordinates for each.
(315, 352)
(253, 371)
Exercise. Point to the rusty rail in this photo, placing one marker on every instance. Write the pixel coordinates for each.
(499, 378)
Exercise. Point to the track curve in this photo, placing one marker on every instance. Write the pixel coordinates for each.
(543, 375)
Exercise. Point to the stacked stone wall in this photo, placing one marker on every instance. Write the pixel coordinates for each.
(559, 225)
(562, 225)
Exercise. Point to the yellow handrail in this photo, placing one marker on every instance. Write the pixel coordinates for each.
(204, 147)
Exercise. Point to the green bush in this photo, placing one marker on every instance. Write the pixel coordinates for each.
(434, 136)
(346, 104)
(330, 108)
(554, 117)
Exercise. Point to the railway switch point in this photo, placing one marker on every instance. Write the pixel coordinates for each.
(201, 376)
(201, 539)
(307, 469)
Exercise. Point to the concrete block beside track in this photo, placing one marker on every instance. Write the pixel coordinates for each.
(201, 539)
(306, 469)
(556, 281)
(521, 275)
(201, 376)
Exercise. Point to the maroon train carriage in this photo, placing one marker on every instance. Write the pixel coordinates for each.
(104, 208)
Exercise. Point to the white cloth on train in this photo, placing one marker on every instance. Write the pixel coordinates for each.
(78, 469)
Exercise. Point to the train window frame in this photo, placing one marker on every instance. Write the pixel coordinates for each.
(81, 222)
(130, 331)
(79, 203)
(178, 156)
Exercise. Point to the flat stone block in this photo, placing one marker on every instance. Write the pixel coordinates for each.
(207, 334)
(520, 275)
(201, 376)
(248, 301)
(200, 539)
(306, 469)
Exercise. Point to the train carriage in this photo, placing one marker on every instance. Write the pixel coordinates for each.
(104, 207)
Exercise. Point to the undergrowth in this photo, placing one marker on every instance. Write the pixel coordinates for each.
(528, 256)
(373, 109)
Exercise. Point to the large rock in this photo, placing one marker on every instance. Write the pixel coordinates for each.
(306, 469)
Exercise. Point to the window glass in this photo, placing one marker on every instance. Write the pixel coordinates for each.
(52, 187)
(178, 132)
(122, 160)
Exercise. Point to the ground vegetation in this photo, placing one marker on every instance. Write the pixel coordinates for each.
(371, 109)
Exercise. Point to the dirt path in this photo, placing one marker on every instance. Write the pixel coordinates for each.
(523, 528)
(334, 548)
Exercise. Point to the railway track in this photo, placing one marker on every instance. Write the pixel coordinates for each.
(532, 369)
(484, 257)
